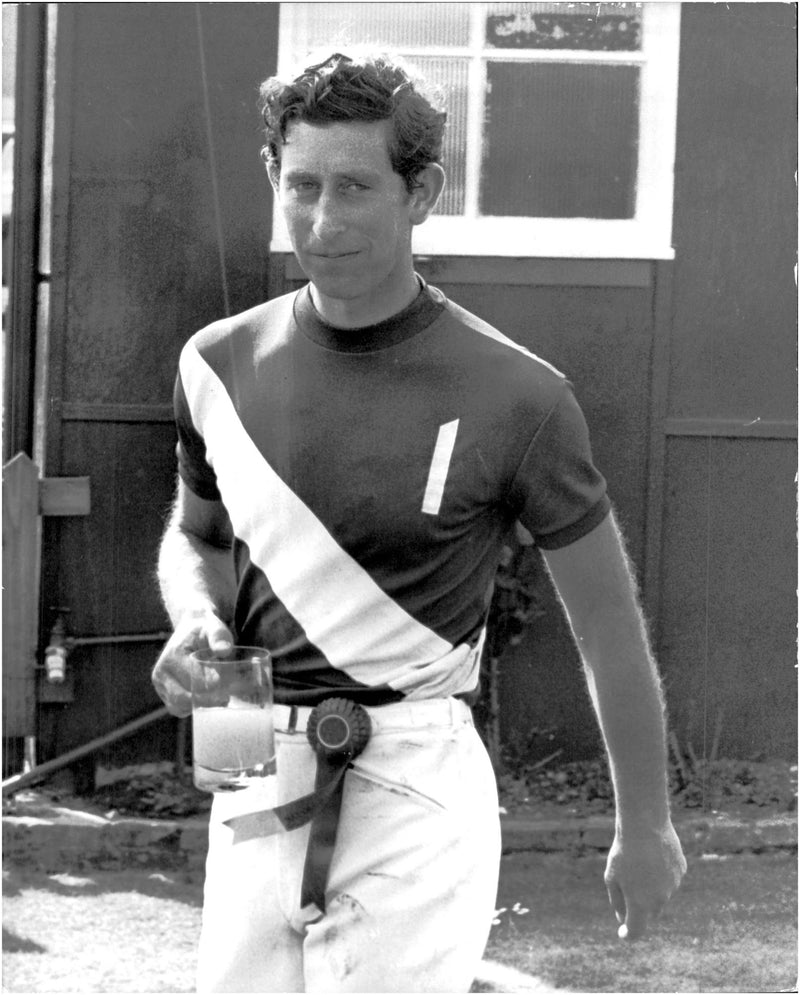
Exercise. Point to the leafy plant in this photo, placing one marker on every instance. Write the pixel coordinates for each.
(154, 791)
(519, 598)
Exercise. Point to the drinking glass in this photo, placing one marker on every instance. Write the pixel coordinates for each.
(232, 730)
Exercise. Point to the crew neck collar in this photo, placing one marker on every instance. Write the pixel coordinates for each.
(420, 313)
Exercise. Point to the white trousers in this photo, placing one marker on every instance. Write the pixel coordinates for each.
(413, 879)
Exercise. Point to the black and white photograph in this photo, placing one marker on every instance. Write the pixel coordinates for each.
(399, 497)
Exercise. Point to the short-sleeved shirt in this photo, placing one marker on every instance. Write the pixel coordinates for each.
(371, 476)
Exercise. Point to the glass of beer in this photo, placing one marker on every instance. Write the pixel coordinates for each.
(233, 741)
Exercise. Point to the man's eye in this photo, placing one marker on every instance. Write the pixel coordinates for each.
(357, 187)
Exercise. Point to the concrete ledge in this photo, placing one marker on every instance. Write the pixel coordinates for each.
(52, 838)
(715, 833)
(721, 834)
(73, 841)
(572, 834)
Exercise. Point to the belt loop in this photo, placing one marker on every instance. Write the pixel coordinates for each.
(292, 724)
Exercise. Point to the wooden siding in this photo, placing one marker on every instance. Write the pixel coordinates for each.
(161, 221)
(686, 371)
(727, 608)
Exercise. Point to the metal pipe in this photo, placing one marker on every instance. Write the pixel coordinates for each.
(43, 771)
(70, 642)
(145, 637)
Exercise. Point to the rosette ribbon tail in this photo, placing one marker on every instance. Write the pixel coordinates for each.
(338, 731)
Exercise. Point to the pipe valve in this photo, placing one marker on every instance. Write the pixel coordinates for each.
(55, 654)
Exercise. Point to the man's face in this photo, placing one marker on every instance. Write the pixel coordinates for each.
(348, 213)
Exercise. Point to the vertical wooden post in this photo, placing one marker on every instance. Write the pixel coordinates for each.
(20, 594)
(26, 498)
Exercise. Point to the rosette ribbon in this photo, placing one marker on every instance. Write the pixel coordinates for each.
(338, 730)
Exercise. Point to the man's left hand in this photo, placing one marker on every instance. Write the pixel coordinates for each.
(644, 869)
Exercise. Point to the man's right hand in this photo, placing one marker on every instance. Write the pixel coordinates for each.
(172, 673)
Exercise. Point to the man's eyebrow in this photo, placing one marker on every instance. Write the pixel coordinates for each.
(357, 174)
(298, 174)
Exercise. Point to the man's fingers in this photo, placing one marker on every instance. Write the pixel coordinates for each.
(617, 899)
(220, 640)
(177, 699)
(635, 923)
(173, 673)
(633, 918)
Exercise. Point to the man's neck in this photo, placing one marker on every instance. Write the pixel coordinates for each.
(361, 313)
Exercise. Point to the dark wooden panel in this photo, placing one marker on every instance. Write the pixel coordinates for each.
(106, 577)
(90, 411)
(111, 686)
(728, 625)
(161, 220)
(162, 193)
(107, 559)
(734, 342)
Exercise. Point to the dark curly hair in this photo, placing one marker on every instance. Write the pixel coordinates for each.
(359, 88)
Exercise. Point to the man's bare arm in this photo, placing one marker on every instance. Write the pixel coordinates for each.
(196, 577)
(595, 583)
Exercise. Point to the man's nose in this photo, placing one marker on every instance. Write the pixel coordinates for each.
(329, 217)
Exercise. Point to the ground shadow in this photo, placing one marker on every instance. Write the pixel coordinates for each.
(179, 885)
(13, 944)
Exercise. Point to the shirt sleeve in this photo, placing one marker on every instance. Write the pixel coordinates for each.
(193, 466)
(558, 493)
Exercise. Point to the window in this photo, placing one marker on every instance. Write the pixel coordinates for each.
(561, 118)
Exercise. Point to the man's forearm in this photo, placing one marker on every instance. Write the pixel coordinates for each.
(625, 689)
(596, 584)
(195, 576)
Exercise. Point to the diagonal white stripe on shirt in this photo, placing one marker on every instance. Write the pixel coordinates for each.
(358, 627)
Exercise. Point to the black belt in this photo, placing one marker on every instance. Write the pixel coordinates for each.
(338, 730)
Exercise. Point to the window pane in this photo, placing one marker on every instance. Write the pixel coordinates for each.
(596, 27)
(382, 25)
(561, 140)
(450, 76)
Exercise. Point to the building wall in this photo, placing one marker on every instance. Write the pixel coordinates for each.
(684, 370)
(158, 192)
(719, 554)
(727, 615)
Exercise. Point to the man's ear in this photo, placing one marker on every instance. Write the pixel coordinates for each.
(429, 183)
(274, 173)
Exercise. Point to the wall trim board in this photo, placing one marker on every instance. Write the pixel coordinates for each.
(83, 411)
(730, 428)
(517, 272)
(20, 403)
(663, 291)
(61, 234)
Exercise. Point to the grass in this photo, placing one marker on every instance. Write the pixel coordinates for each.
(731, 928)
(112, 931)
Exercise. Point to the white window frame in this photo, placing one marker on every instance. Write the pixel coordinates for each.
(648, 235)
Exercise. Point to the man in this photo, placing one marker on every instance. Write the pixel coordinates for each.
(351, 457)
